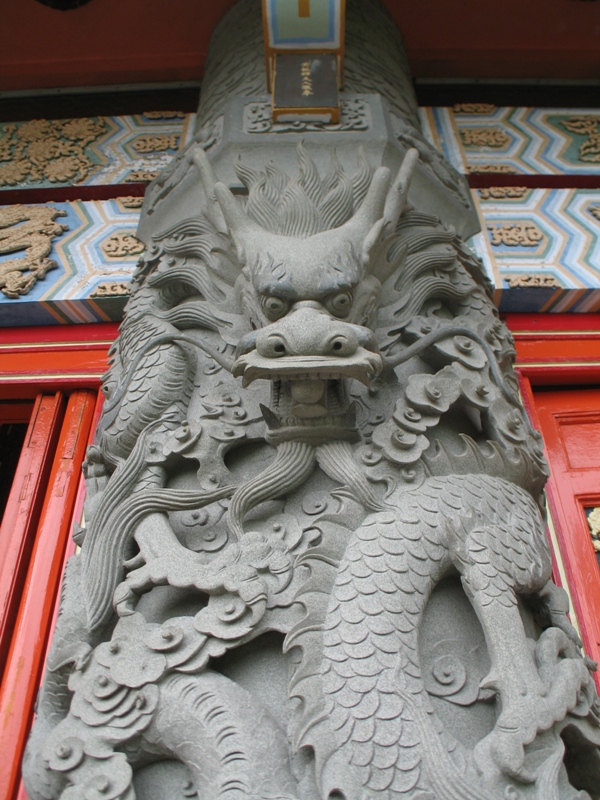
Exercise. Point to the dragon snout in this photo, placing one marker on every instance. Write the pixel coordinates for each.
(307, 333)
(298, 340)
(309, 344)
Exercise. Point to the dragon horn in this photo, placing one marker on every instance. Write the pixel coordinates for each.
(209, 181)
(395, 203)
(372, 207)
(241, 228)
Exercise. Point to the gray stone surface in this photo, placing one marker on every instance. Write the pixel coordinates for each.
(315, 563)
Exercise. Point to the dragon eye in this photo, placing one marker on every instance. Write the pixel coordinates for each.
(340, 304)
(274, 307)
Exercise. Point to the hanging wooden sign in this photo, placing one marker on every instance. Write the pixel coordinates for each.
(304, 44)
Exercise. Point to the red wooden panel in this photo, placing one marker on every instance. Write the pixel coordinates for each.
(25, 659)
(570, 423)
(581, 440)
(557, 349)
(51, 360)
(567, 324)
(59, 335)
(23, 508)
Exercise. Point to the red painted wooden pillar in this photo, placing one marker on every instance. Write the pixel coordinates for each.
(28, 648)
(23, 507)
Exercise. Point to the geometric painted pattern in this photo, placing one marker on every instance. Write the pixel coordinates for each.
(541, 249)
(95, 259)
(122, 149)
(510, 139)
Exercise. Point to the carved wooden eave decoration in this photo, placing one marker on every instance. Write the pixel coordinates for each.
(47, 150)
(30, 229)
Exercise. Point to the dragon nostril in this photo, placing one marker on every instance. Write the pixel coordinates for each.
(341, 345)
(279, 348)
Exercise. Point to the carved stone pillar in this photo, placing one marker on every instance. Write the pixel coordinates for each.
(315, 564)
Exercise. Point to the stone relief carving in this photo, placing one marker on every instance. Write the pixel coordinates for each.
(431, 159)
(52, 150)
(354, 116)
(314, 563)
(32, 229)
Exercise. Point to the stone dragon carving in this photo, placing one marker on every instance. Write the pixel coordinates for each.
(314, 563)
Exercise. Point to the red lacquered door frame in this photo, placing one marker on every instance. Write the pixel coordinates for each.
(28, 648)
(23, 508)
(564, 350)
(569, 491)
(33, 361)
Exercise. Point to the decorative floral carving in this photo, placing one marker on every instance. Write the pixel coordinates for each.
(128, 203)
(515, 234)
(586, 125)
(141, 175)
(156, 142)
(503, 192)
(51, 150)
(473, 108)
(594, 210)
(122, 244)
(32, 229)
(354, 116)
(165, 114)
(108, 289)
(531, 281)
(484, 137)
(506, 169)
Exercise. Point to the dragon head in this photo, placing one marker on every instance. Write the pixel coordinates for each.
(310, 299)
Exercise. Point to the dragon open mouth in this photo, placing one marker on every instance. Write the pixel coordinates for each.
(308, 397)
(364, 365)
